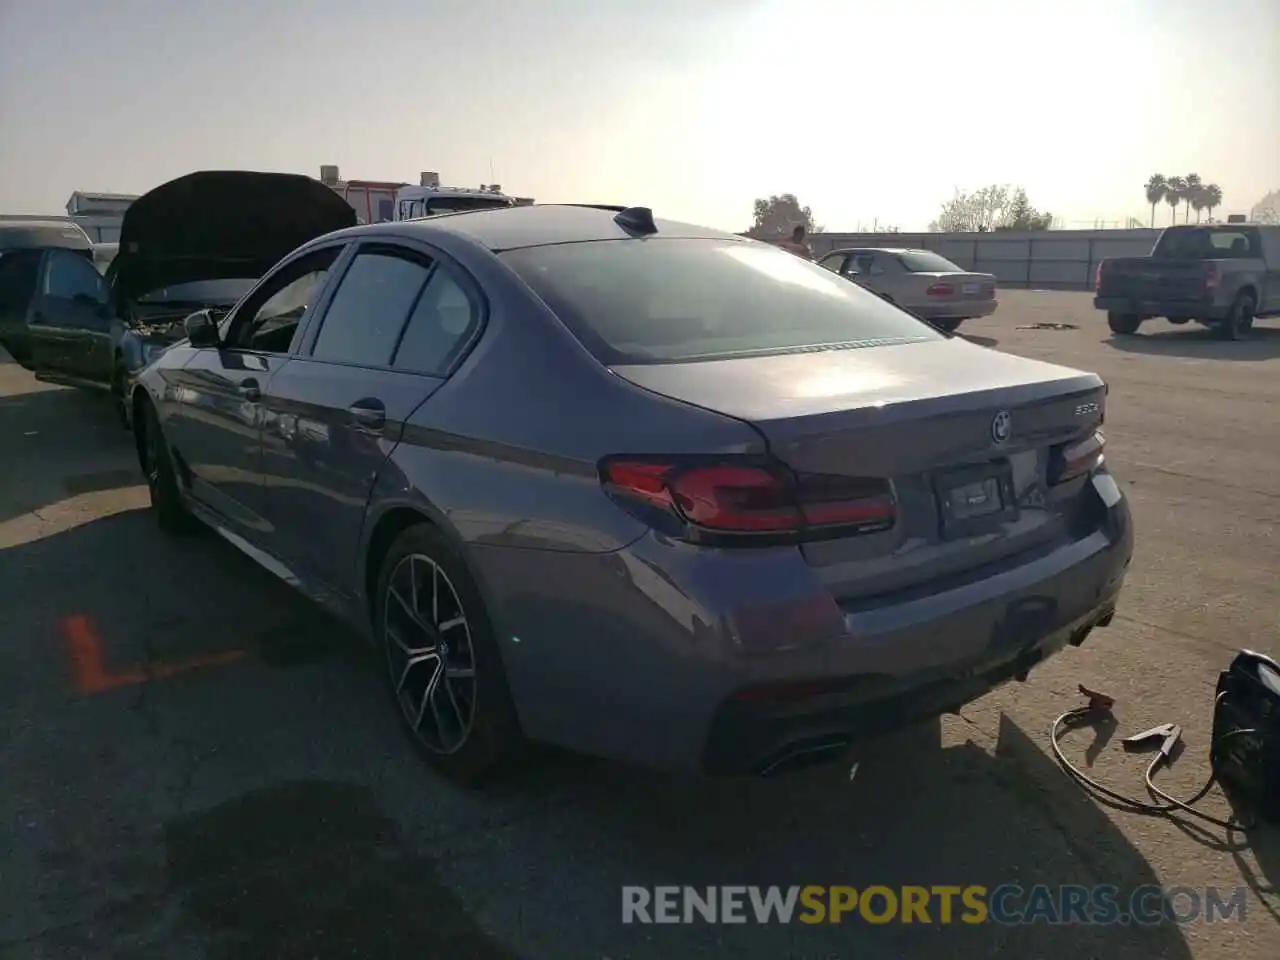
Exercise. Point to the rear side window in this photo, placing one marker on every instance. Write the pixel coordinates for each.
(664, 301)
(368, 310)
(442, 324)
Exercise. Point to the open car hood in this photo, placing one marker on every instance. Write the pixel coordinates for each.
(217, 224)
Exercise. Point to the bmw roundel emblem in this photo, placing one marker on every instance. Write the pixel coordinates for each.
(1001, 426)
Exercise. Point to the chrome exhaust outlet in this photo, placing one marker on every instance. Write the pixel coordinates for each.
(804, 754)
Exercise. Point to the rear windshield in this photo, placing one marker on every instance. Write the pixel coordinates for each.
(200, 291)
(1204, 243)
(922, 261)
(664, 301)
(458, 204)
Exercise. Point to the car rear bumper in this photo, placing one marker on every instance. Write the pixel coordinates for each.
(668, 657)
(961, 310)
(1199, 308)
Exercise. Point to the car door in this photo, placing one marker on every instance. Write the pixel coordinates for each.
(20, 272)
(216, 428)
(396, 320)
(888, 277)
(70, 325)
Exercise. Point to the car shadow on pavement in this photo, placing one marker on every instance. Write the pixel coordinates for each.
(979, 341)
(314, 869)
(1201, 344)
(48, 437)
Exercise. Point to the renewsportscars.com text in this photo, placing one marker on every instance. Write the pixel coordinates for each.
(1008, 904)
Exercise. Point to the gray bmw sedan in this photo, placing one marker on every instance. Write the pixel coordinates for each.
(637, 488)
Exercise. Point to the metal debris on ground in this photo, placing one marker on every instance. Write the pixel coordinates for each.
(1045, 325)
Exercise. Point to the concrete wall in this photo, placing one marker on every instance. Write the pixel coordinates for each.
(1048, 260)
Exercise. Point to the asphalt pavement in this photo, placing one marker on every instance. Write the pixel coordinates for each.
(197, 764)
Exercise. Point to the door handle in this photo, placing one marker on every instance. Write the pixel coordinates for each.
(370, 415)
(249, 389)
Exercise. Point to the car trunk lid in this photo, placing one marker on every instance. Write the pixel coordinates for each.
(951, 287)
(964, 435)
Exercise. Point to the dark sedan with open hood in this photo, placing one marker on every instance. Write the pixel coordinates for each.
(195, 243)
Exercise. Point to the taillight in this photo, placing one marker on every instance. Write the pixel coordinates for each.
(1212, 277)
(940, 290)
(1097, 278)
(1076, 459)
(750, 497)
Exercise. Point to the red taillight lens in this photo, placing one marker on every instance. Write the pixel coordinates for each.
(1097, 279)
(751, 498)
(941, 290)
(1212, 277)
(1075, 459)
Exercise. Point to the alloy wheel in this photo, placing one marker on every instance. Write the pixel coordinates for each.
(429, 653)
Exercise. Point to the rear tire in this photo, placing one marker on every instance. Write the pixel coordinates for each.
(1124, 324)
(1238, 323)
(444, 668)
(118, 398)
(948, 326)
(162, 480)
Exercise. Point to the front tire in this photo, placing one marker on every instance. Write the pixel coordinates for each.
(1238, 322)
(1124, 324)
(162, 480)
(444, 667)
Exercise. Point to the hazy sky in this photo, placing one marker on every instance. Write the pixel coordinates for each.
(694, 107)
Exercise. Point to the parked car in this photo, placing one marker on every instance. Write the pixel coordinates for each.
(637, 488)
(197, 242)
(1222, 276)
(31, 251)
(103, 254)
(920, 281)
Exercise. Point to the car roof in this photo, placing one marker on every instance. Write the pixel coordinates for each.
(879, 250)
(30, 234)
(511, 228)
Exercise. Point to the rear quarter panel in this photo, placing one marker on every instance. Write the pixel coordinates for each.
(507, 449)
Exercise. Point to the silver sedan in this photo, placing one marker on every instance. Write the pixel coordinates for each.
(930, 286)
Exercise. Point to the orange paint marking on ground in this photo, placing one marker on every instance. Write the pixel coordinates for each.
(89, 669)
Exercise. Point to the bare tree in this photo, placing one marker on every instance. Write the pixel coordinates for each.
(1267, 210)
(995, 207)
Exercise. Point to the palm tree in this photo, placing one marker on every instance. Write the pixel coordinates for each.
(1194, 186)
(1175, 189)
(1212, 198)
(1156, 187)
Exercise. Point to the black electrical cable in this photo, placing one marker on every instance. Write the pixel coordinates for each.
(1080, 715)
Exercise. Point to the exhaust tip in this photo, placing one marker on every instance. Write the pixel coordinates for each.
(806, 753)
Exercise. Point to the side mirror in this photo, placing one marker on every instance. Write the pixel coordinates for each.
(201, 330)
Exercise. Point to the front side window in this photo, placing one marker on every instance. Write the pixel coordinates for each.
(368, 310)
(70, 275)
(270, 324)
(664, 301)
